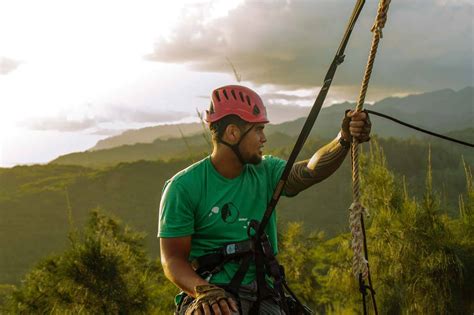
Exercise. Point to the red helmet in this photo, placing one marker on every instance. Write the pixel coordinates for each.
(236, 100)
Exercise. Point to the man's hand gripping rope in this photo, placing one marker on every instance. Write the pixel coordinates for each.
(356, 125)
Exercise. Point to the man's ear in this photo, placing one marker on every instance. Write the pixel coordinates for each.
(232, 133)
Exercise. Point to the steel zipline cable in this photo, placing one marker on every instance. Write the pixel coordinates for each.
(419, 129)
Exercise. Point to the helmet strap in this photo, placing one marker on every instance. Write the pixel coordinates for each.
(235, 147)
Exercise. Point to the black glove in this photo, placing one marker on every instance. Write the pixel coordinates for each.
(351, 126)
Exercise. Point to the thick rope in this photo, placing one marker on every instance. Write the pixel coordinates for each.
(359, 262)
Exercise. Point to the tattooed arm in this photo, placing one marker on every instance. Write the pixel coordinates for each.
(309, 172)
(328, 159)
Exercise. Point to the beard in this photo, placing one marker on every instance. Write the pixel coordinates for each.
(254, 159)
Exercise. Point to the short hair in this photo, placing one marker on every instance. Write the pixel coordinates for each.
(218, 127)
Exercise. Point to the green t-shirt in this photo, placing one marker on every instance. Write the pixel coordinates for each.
(215, 210)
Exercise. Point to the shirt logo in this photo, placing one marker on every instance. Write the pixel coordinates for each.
(229, 213)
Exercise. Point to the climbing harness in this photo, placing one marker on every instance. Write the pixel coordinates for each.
(360, 264)
(236, 147)
(245, 252)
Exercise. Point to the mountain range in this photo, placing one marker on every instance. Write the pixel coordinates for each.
(440, 111)
(445, 110)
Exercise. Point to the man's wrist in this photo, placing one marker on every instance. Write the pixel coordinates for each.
(345, 143)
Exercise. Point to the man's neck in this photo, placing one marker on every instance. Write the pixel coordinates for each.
(226, 162)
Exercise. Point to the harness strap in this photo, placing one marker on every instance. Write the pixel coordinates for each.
(301, 308)
(247, 251)
(240, 274)
(263, 291)
(313, 114)
(235, 147)
(209, 264)
(265, 262)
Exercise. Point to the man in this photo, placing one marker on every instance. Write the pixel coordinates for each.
(211, 203)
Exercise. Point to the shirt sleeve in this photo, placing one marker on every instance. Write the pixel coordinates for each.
(176, 216)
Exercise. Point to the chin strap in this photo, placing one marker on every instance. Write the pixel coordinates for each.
(235, 147)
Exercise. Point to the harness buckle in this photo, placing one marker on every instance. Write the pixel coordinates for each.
(235, 249)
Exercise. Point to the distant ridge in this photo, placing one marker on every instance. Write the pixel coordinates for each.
(276, 113)
(147, 135)
(446, 110)
(443, 111)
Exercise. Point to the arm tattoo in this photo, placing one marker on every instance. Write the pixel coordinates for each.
(309, 172)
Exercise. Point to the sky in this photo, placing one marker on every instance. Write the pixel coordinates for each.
(75, 72)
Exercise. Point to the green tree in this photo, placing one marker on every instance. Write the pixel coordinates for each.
(463, 241)
(105, 270)
(416, 268)
(414, 256)
(302, 267)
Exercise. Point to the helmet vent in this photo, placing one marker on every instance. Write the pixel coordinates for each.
(256, 111)
(225, 94)
(211, 108)
(216, 93)
(241, 97)
(248, 100)
(233, 94)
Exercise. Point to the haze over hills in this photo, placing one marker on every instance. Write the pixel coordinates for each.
(442, 110)
(157, 150)
(439, 111)
(276, 113)
(147, 135)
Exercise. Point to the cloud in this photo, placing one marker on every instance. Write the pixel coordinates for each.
(272, 97)
(61, 124)
(278, 113)
(7, 65)
(427, 45)
(106, 132)
(99, 124)
(126, 114)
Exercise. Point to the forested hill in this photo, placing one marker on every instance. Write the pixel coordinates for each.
(444, 110)
(147, 135)
(198, 145)
(440, 111)
(35, 200)
(158, 149)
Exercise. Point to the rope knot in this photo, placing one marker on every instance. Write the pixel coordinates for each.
(359, 263)
(381, 18)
